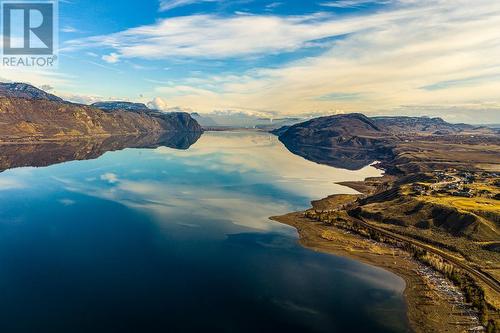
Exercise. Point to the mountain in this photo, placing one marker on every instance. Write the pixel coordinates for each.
(204, 120)
(185, 121)
(424, 126)
(493, 126)
(38, 116)
(352, 141)
(241, 120)
(339, 130)
(347, 141)
(118, 105)
(23, 90)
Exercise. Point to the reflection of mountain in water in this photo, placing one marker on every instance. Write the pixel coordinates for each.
(349, 141)
(352, 141)
(340, 157)
(45, 154)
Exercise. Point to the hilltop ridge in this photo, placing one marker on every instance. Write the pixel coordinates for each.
(352, 141)
(30, 114)
(23, 90)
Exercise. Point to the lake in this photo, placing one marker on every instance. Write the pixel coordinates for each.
(167, 240)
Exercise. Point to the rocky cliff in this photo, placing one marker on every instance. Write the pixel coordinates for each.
(29, 115)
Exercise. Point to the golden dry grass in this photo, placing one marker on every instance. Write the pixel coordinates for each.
(465, 204)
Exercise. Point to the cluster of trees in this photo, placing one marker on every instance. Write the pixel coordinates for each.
(473, 293)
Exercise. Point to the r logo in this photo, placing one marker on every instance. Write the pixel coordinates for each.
(28, 28)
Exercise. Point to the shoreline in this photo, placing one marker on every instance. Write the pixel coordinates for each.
(425, 314)
(428, 309)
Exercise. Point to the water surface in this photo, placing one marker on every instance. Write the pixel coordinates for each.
(164, 240)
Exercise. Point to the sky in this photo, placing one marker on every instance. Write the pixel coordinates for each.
(281, 58)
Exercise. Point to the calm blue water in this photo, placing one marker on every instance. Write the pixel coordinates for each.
(179, 241)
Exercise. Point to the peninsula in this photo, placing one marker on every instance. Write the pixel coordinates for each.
(433, 218)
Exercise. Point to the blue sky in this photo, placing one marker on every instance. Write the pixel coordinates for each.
(80, 19)
(276, 58)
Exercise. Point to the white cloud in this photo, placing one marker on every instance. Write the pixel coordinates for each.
(386, 66)
(354, 3)
(210, 36)
(388, 59)
(111, 58)
(69, 29)
(274, 5)
(36, 77)
(158, 103)
(80, 99)
(171, 4)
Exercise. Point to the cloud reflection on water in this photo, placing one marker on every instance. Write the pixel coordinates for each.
(146, 224)
(237, 177)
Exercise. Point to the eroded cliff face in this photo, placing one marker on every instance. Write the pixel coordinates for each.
(176, 121)
(37, 119)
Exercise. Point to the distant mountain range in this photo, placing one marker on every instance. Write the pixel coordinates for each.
(119, 105)
(29, 114)
(242, 120)
(424, 126)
